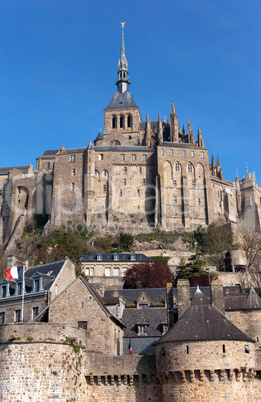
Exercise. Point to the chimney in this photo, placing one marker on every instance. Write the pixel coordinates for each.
(170, 309)
(218, 299)
(183, 295)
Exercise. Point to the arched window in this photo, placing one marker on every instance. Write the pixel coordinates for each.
(177, 167)
(114, 121)
(130, 120)
(122, 125)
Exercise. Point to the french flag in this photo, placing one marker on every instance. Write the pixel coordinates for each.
(130, 348)
(15, 273)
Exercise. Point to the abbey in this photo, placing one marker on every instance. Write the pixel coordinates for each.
(134, 175)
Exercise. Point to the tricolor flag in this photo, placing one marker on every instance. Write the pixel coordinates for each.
(130, 348)
(15, 273)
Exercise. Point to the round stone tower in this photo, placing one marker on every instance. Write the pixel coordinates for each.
(205, 357)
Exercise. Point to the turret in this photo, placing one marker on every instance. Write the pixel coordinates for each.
(160, 132)
(200, 139)
(173, 119)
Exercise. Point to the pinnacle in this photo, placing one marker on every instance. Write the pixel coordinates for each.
(173, 111)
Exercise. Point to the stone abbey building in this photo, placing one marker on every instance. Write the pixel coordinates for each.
(134, 175)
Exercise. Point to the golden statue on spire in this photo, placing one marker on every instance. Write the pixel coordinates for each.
(122, 24)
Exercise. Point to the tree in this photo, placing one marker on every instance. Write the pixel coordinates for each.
(217, 240)
(194, 272)
(148, 275)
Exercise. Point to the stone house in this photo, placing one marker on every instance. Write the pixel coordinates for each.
(106, 270)
(43, 283)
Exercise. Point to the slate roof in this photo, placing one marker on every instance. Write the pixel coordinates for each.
(250, 301)
(51, 152)
(153, 318)
(109, 257)
(203, 322)
(99, 136)
(131, 295)
(121, 100)
(122, 148)
(5, 170)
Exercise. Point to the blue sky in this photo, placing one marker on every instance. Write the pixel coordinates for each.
(58, 67)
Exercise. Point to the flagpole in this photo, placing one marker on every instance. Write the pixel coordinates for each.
(22, 309)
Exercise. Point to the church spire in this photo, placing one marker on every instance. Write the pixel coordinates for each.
(123, 74)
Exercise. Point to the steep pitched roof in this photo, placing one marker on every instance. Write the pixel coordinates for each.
(203, 322)
(131, 295)
(5, 170)
(153, 318)
(250, 301)
(121, 100)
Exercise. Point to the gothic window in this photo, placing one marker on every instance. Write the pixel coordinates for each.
(114, 121)
(177, 167)
(129, 121)
(190, 168)
(122, 122)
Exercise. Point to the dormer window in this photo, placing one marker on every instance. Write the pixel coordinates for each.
(4, 291)
(164, 328)
(19, 288)
(133, 257)
(116, 257)
(99, 257)
(143, 306)
(142, 329)
(37, 285)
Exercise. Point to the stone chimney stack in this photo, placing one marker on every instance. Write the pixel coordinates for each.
(183, 296)
(218, 299)
(170, 309)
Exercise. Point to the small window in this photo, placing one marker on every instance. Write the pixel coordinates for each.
(192, 154)
(140, 170)
(177, 167)
(116, 271)
(124, 182)
(114, 122)
(143, 306)
(105, 173)
(107, 272)
(19, 288)
(104, 188)
(198, 201)
(100, 157)
(122, 157)
(190, 168)
(82, 325)
(138, 193)
(142, 329)
(99, 257)
(35, 312)
(125, 170)
(183, 153)
(120, 193)
(96, 173)
(202, 154)
(37, 285)
(174, 183)
(116, 257)
(171, 152)
(187, 349)
(122, 123)
(194, 183)
(144, 157)
(175, 200)
(74, 172)
(73, 186)
(144, 182)
(162, 151)
(133, 257)
(87, 271)
(247, 349)
(123, 271)
(91, 271)
(72, 158)
(4, 291)
(2, 317)
(48, 165)
(18, 316)
(218, 194)
(133, 157)
(224, 348)
(129, 121)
